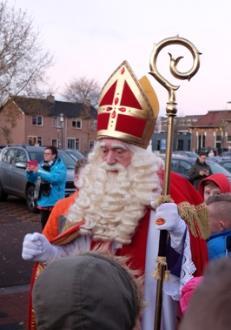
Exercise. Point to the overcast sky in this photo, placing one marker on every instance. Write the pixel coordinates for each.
(92, 37)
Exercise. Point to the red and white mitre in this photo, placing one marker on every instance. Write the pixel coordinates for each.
(128, 108)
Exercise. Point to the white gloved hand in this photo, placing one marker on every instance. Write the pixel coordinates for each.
(168, 218)
(36, 247)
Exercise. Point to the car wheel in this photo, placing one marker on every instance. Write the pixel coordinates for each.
(3, 194)
(31, 204)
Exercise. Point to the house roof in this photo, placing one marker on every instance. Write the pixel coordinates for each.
(213, 119)
(35, 106)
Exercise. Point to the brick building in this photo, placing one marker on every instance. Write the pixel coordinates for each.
(212, 130)
(48, 122)
(182, 133)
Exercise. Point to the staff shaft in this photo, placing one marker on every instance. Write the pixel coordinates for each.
(171, 113)
(163, 233)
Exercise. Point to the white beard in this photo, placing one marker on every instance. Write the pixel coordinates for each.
(112, 204)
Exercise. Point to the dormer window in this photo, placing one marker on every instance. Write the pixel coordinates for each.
(37, 120)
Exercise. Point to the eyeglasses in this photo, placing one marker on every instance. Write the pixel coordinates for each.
(47, 153)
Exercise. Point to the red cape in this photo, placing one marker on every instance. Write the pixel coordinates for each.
(181, 190)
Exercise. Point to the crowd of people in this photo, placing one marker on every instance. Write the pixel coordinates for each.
(95, 258)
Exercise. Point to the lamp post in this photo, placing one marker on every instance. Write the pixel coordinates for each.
(61, 125)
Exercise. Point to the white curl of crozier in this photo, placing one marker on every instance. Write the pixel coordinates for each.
(112, 204)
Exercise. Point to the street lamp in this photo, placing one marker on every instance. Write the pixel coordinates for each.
(61, 122)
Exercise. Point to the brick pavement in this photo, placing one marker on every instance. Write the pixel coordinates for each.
(13, 308)
(15, 222)
(15, 210)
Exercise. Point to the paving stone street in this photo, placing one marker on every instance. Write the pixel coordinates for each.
(15, 222)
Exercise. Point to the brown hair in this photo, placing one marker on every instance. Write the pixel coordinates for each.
(53, 150)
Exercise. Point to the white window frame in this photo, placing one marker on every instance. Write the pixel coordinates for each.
(36, 140)
(36, 118)
(78, 123)
(76, 143)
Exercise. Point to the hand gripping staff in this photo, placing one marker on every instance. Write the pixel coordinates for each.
(171, 110)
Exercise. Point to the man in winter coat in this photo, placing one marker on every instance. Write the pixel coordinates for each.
(199, 170)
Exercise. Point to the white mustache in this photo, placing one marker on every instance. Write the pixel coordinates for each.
(113, 167)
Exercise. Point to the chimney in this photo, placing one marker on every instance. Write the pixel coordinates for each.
(51, 98)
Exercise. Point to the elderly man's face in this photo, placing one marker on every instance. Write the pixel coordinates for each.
(115, 152)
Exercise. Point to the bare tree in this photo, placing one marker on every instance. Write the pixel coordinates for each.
(23, 61)
(82, 90)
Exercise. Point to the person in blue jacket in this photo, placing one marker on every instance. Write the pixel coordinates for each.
(219, 216)
(49, 178)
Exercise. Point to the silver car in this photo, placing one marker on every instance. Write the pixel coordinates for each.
(13, 180)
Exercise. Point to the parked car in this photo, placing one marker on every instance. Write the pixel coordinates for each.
(226, 163)
(13, 180)
(182, 165)
(227, 154)
(75, 154)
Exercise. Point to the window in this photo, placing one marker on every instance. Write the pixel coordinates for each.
(20, 156)
(31, 140)
(201, 141)
(37, 120)
(73, 143)
(174, 165)
(180, 144)
(39, 140)
(184, 167)
(54, 142)
(158, 145)
(7, 156)
(229, 138)
(34, 140)
(77, 123)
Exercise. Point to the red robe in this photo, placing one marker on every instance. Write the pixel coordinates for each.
(180, 190)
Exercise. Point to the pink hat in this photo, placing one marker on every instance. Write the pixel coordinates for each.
(187, 292)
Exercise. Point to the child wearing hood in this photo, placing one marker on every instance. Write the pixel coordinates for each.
(214, 184)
